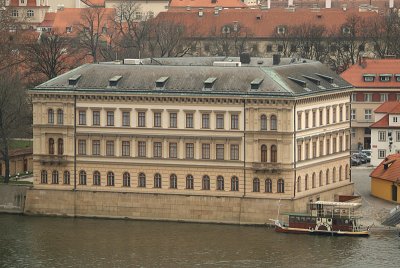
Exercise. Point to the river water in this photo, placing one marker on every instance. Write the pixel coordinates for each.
(67, 242)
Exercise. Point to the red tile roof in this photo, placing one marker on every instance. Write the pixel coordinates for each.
(354, 75)
(48, 20)
(258, 23)
(392, 173)
(391, 107)
(95, 3)
(207, 3)
(382, 123)
(29, 3)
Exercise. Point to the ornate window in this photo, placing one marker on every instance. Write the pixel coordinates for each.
(173, 181)
(110, 179)
(60, 145)
(205, 183)
(347, 175)
(263, 122)
(299, 184)
(50, 116)
(273, 122)
(157, 180)
(306, 182)
(327, 177)
(313, 182)
(256, 185)
(340, 173)
(51, 146)
(321, 174)
(126, 179)
(268, 186)
(274, 153)
(189, 182)
(60, 117)
(142, 180)
(281, 186)
(66, 178)
(234, 183)
(220, 183)
(96, 178)
(82, 177)
(43, 176)
(263, 153)
(334, 175)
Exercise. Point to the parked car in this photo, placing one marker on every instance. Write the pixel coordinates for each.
(355, 161)
(367, 153)
(361, 157)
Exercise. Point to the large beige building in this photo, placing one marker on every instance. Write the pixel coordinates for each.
(212, 127)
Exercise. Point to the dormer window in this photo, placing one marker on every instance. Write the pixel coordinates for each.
(299, 82)
(160, 83)
(346, 30)
(68, 29)
(369, 77)
(312, 79)
(209, 83)
(397, 77)
(256, 83)
(281, 29)
(326, 77)
(226, 29)
(385, 77)
(74, 80)
(113, 82)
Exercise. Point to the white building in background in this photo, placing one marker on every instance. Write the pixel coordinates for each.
(385, 132)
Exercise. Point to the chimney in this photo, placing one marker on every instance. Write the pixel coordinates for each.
(391, 3)
(290, 3)
(328, 3)
(276, 59)
(269, 4)
(245, 57)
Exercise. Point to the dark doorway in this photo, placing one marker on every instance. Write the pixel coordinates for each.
(394, 192)
(367, 142)
(25, 165)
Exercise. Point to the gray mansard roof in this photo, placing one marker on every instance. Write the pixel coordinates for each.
(198, 76)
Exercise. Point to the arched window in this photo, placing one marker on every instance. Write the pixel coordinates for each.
(66, 178)
(273, 122)
(50, 116)
(347, 172)
(142, 180)
(54, 177)
(126, 179)
(314, 180)
(43, 176)
(82, 177)
(96, 178)
(157, 180)
(220, 183)
(51, 146)
(60, 145)
(189, 182)
(30, 13)
(334, 175)
(321, 174)
(205, 183)
(263, 122)
(268, 186)
(263, 153)
(327, 177)
(340, 173)
(60, 117)
(234, 183)
(281, 186)
(299, 184)
(110, 178)
(256, 185)
(306, 182)
(173, 181)
(274, 154)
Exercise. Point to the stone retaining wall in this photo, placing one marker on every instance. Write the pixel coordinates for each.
(212, 209)
(12, 198)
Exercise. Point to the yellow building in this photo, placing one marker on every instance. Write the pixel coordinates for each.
(214, 127)
(20, 162)
(385, 179)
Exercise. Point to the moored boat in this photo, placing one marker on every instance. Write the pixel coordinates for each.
(325, 218)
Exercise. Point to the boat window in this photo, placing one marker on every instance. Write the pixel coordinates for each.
(303, 219)
(297, 219)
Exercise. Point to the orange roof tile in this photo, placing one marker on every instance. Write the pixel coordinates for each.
(392, 173)
(391, 107)
(48, 20)
(95, 3)
(354, 75)
(259, 23)
(29, 3)
(382, 123)
(207, 3)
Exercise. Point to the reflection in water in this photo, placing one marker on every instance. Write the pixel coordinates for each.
(66, 242)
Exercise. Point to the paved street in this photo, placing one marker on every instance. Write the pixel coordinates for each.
(373, 210)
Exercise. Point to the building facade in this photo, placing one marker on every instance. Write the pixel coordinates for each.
(375, 82)
(195, 127)
(385, 132)
(20, 162)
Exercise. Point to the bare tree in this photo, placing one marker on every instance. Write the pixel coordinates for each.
(231, 40)
(49, 55)
(14, 112)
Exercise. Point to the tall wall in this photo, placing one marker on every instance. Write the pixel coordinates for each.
(151, 206)
(12, 198)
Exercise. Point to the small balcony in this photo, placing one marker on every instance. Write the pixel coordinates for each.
(53, 159)
(267, 167)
